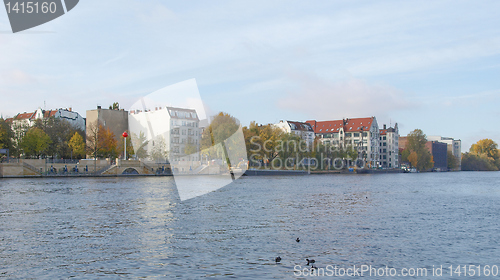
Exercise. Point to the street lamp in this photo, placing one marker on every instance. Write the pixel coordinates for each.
(125, 135)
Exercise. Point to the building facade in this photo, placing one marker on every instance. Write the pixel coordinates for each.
(389, 147)
(301, 129)
(113, 119)
(174, 130)
(361, 134)
(454, 146)
(439, 153)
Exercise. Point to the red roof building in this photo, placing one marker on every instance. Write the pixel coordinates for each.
(361, 134)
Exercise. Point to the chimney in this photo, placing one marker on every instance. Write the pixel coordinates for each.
(156, 108)
(385, 126)
(70, 109)
(98, 107)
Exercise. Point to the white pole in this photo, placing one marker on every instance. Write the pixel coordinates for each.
(125, 148)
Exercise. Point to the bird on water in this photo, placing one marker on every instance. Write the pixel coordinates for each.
(310, 261)
(278, 259)
(298, 240)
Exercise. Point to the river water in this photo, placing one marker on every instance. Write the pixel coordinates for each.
(136, 227)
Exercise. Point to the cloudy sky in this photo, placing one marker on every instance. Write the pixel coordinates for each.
(433, 65)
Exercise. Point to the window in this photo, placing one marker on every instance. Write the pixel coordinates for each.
(356, 134)
(385, 144)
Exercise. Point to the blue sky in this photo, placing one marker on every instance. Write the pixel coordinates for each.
(433, 65)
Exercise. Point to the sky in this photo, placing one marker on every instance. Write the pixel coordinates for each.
(432, 65)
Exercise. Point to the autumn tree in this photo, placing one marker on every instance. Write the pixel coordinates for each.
(482, 156)
(108, 143)
(221, 128)
(101, 141)
(35, 143)
(487, 147)
(416, 141)
(77, 145)
(413, 159)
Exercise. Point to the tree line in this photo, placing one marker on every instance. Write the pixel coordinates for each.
(56, 138)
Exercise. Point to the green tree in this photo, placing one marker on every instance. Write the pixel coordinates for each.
(60, 132)
(35, 142)
(213, 138)
(452, 161)
(139, 143)
(115, 106)
(77, 145)
(6, 136)
(159, 151)
(482, 156)
(416, 141)
(475, 162)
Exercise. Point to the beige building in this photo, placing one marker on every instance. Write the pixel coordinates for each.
(389, 147)
(115, 120)
(361, 134)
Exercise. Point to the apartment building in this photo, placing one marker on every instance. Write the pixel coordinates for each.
(361, 134)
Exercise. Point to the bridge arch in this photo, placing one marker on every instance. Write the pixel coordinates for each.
(130, 171)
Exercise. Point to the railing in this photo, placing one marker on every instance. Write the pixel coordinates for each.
(63, 161)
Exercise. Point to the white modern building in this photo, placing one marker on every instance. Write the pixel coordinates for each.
(302, 130)
(173, 130)
(389, 147)
(361, 134)
(455, 146)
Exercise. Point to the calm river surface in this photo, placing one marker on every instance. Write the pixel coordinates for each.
(137, 227)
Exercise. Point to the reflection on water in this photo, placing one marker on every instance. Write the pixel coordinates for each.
(135, 227)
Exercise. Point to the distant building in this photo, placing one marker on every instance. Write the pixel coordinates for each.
(389, 147)
(303, 130)
(361, 134)
(439, 153)
(114, 119)
(454, 146)
(177, 127)
(23, 121)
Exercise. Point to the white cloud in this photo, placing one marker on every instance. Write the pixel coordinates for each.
(324, 100)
